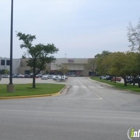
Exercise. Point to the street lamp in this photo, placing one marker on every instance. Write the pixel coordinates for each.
(10, 86)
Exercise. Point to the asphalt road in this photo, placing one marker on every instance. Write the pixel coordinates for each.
(86, 110)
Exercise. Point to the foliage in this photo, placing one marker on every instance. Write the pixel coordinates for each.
(118, 85)
(91, 65)
(120, 64)
(100, 67)
(38, 54)
(4, 71)
(62, 68)
(134, 37)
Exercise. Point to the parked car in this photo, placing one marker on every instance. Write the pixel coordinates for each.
(57, 77)
(129, 80)
(15, 75)
(5, 76)
(103, 77)
(116, 79)
(26, 76)
(44, 77)
(136, 80)
(20, 76)
(108, 77)
(39, 75)
(50, 76)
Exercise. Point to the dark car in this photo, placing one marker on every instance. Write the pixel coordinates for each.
(129, 80)
(136, 80)
(133, 80)
(108, 77)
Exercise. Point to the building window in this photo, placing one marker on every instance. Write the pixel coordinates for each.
(8, 62)
(3, 62)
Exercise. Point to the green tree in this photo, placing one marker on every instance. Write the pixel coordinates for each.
(91, 65)
(100, 67)
(38, 55)
(62, 69)
(114, 64)
(118, 65)
(4, 71)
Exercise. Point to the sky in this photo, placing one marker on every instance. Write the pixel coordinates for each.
(78, 28)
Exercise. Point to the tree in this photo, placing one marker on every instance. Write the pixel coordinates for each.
(62, 69)
(91, 65)
(99, 59)
(118, 65)
(103, 54)
(114, 64)
(4, 71)
(134, 37)
(38, 55)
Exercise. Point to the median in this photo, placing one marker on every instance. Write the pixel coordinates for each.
(26, 90)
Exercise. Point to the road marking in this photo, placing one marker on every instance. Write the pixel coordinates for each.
(98, 95)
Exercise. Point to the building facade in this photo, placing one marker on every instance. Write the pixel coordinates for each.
(5, 64)
(75, 66)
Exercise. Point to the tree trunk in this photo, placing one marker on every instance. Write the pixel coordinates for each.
(125, 83)
(134, 80)
(139, 84)
(115, 79)
(33, 84)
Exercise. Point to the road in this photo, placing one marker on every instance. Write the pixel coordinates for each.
(86, 110)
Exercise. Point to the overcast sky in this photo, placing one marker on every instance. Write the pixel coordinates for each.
(79, 28)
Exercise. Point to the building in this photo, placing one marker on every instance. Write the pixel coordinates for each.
(75, 66)
(5, 64)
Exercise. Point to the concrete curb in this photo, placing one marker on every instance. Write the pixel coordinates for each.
(33, 96)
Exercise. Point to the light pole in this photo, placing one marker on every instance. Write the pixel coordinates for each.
(10, 87)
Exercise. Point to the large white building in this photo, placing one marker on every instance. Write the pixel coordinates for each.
(75, 66)
(5, 64)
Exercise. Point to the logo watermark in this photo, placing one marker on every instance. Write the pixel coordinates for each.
(132, 133)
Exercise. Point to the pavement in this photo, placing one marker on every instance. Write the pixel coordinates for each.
(86, 110)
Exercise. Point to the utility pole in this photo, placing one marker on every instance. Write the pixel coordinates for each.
(10, 87)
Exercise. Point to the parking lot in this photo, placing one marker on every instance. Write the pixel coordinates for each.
(29, 80)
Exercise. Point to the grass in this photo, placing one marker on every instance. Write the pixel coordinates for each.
(27, 90)
(118, 85)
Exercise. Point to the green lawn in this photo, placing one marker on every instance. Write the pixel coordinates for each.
(27, 90)
(118, 85)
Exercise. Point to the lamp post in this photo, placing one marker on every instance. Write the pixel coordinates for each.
(10, 87)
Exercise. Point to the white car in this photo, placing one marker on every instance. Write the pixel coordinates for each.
(20, 76)
(60, 77)
(5, 76)
(44, 77)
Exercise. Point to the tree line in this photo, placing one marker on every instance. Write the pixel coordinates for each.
(120, 63)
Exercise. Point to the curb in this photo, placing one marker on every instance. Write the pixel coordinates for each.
(33, 96)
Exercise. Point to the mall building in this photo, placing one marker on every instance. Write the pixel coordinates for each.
(75, 66)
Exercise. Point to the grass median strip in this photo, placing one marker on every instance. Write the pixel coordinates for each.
(27, 90)
(118, 85)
